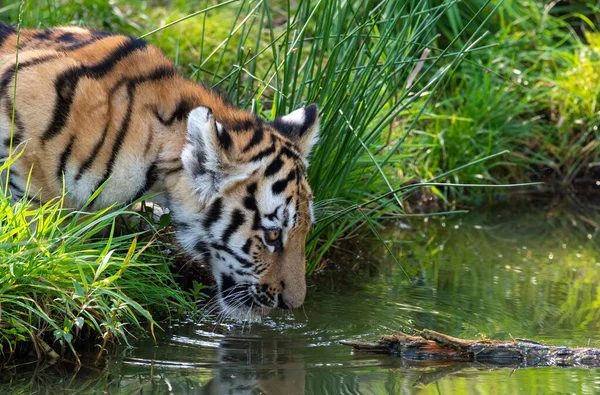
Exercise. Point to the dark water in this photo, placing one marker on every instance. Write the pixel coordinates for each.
(523, 272)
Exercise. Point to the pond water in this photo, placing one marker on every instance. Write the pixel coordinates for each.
(528, 272)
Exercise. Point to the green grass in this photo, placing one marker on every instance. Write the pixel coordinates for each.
(533, 92)
(62, 278)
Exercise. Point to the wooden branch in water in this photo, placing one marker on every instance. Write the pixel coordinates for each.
(435, 346)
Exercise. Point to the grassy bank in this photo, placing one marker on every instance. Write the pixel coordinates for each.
(409, 91)
(532, 92)
(66, 276)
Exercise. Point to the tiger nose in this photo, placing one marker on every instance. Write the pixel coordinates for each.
(291, 297)
(286, 304)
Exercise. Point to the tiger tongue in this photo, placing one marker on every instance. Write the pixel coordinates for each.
(265, 312)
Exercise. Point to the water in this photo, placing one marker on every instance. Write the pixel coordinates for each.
(522, 272)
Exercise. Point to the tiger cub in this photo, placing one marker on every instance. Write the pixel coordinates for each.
(93, 109)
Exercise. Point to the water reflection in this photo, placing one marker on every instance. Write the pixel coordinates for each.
(523, 273)
(257, 369)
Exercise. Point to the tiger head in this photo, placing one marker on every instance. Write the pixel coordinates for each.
(249, 207)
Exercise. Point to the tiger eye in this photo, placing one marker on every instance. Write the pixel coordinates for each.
(273, 235)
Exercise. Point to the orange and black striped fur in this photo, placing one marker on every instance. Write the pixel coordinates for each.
(96, 109)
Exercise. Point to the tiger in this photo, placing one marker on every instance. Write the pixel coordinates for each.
(82, 109)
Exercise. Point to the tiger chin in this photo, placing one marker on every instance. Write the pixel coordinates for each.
(94, 109)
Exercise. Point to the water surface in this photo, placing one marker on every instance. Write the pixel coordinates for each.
(529, 272)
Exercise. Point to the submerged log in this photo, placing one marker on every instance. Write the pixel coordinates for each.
(435, 346)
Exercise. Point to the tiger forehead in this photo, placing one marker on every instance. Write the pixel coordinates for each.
(256, 140)
(281, 177)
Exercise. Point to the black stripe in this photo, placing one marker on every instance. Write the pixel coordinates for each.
(72, 42)
(9, 73)
(250, 204)
(296, 213)
(101, 69)
(256, 221)
(263, 153)
(214, 213)
(181, 112)
(272, 216)
(174, 160)
(198, 168)
(151, 178)
(66, 83)
(5, 32)
(14, 186)
(65, 86)
(274, 167)
(182, 226)
(99, 34)
(259, 271)
(244, 262)
(173, 170)
(148, 142)
(66, 37)
(246, 247)
(43, 34)
(120, 137)
(19, 129)
(87, 163)
(224, 139)
(7, 78)
(230, 289)
(255, 140)
(246, 124)
(286, 221)
(227, 284)
(237, 220)
(64, 157)
(80, 44)
(202, 248)
(242, 273)
(289, 153)
(160, 73)
(280, 185)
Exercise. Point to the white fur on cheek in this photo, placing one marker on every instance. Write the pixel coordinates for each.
(221, 262)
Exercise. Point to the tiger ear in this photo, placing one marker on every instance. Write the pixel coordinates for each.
(301, 127)
(208, 155)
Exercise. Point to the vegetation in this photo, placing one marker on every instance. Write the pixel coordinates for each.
(60, 279)
(410, 92)
(526, 94)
